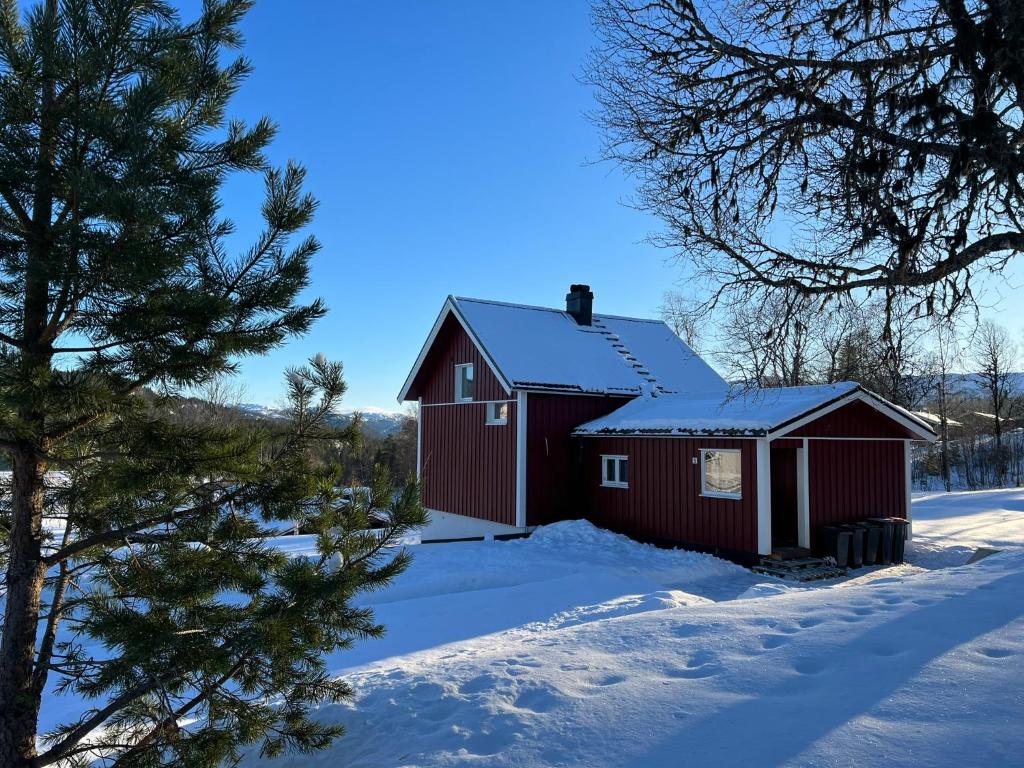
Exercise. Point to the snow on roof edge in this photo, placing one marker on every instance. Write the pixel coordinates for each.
(743, 415)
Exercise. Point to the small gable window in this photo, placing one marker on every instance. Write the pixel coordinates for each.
(497, 413)
(464, 389)
(615, 471)
(721, 473)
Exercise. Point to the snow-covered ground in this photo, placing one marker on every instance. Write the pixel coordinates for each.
(577, 647)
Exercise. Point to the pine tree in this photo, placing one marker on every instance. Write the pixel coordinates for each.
(139, 574)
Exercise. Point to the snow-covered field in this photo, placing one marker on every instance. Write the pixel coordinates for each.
(577, 647)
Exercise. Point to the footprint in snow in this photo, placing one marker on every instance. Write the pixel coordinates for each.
(524, 660)
(773, 641)
(684, 630)
(811, 621)
(606, 680)
(479, 684)
(884, 650)
(694, 673)
(699, 665)
(996, 653)
(538, 699)
(427, 691)
(810, 666)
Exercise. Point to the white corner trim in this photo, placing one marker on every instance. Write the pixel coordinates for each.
(450, 308)
(803, 496)
(764, 497)
(419, 438)
(908, 483)
(521, 459)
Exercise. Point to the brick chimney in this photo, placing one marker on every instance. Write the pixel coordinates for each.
(579, 302)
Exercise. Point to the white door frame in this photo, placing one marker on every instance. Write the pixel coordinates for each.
(764, 497)
(803, 496)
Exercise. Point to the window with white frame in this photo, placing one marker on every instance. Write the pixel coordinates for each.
(721, 473)
(497, 413)
(464, 388)
(615, 471)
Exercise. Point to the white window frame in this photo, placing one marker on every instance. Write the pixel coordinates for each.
(459, 397)
(703, 474)
(618, 459)
(492, 408)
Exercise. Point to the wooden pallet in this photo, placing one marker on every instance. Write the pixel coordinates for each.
(800, 568)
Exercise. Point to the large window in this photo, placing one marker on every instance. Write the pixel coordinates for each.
(464, 388)
(615, 471)
(721, 473)
(497, 413)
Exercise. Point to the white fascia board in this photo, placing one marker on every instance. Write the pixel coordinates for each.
(878, 403)
(451, 308)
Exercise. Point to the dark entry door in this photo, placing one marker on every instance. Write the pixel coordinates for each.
(784, 491)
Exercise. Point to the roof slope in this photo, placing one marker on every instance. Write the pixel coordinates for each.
(541, 348)
(753, 412)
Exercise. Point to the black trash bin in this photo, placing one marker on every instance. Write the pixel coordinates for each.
(836, 541)
(886, 527)
(899, 538)
(856, 553)
(872, 541)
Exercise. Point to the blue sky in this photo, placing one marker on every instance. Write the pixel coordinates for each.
(449, 149)
(448, 145)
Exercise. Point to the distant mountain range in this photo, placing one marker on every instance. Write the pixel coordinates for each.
(970, 385)
(376, 421)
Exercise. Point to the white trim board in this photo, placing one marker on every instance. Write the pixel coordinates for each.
(764, 497)
(521, 459)
(908, 487)
(803, 496)
(419, 438)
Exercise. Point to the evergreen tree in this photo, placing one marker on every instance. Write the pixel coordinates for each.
(139, 577)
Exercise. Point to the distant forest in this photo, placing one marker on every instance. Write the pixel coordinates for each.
(913, 361)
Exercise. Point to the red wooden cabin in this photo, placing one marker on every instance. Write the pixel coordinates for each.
(530, 415)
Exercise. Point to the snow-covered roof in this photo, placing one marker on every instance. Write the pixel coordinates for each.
(752, 412)
(546, 349)
(934, 419)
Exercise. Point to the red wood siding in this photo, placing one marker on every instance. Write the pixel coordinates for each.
(857, 419)
(663, 501)
(435, 382)
(551, 461)
(469, 467)
(854, 479)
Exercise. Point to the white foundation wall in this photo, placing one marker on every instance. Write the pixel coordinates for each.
(446, 525)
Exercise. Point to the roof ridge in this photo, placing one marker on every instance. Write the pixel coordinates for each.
(518, 305)
(510, 304)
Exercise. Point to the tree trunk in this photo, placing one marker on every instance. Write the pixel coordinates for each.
(25, 573)
(19, 699)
